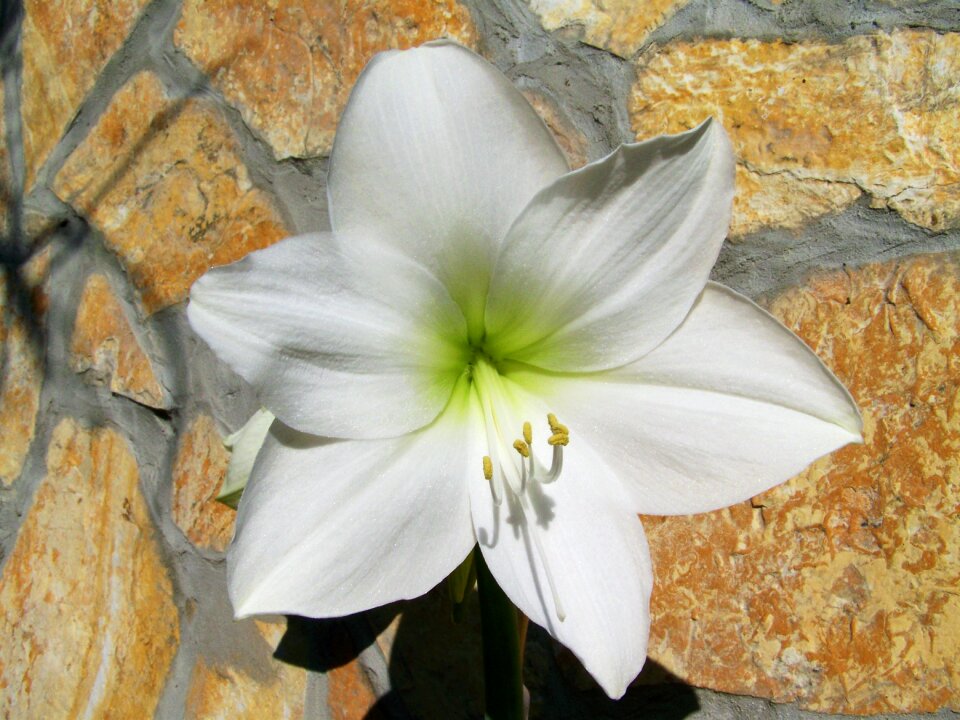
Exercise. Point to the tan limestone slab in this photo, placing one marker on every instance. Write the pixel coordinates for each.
(839, 589)
(218, 691)
(164, 181)
(21, 362)
(65, 43)
(198, 473)
(106, 350)
(288, 66)
(814, 125)
(86, 604)
(620, 26)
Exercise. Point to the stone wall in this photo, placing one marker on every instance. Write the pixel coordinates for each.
(146, 141)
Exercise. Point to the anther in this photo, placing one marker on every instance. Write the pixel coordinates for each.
(558, 438)
(487, 467)
(557, 427)
(521, 447)
(528, 433)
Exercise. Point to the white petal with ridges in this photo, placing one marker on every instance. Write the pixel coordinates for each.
(596, 551)
(340, 341)
(332, 527)
(606, 262)
(728, 406)
(436, 154)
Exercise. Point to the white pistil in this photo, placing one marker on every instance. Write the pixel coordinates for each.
(499, 467)
(535, 534)
(556, 466)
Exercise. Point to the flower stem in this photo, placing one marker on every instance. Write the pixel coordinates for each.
(502, 668)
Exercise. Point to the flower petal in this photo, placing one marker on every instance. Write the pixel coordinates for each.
(331, 527)
(436, 154)
(337, 341)
(597, 555)
(728, 406)
(606, 262)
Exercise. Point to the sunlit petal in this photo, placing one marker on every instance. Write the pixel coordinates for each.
(339, 341)
(574, 544)
(436, 154)
(730, 405)
(331, 527)
(606, 262)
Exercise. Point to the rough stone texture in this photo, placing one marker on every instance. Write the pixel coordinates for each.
(163, 180)
(198, 473)
(289, 66)
(105, 349)
(66, 43)
(23, 300)
(85, 601)
(350, 694)
(814, 124)
(782, 200)
(838, 590)
(620, 26)
(221, 691)
(189, 133)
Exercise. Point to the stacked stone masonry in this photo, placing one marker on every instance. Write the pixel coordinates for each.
(145, 142)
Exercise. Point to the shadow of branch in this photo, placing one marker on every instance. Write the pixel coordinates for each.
(19, 242)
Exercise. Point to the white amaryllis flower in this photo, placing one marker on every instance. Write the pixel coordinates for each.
(472, 287)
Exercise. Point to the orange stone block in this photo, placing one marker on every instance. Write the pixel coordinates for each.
(86, 605)
(815, 124)
(289, 66)
(106, 350)
(271, 690)
(838, 589)
(21, 353)
(163, 179)
(198, 473)
(350, 695)
(66, 43)
(620, 26)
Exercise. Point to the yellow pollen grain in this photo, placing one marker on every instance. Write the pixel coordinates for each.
(527, 433)
(521, 447)
(559, 438)
(487, 467)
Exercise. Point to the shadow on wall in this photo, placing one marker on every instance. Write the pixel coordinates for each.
(16, 296)
(23, 238)
(436, 667)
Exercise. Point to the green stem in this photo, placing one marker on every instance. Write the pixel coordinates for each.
(502, 668)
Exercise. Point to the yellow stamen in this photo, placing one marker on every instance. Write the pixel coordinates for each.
(527, 434)
(557, 427)
(487, 467)
(558, 438)
(521, 447)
